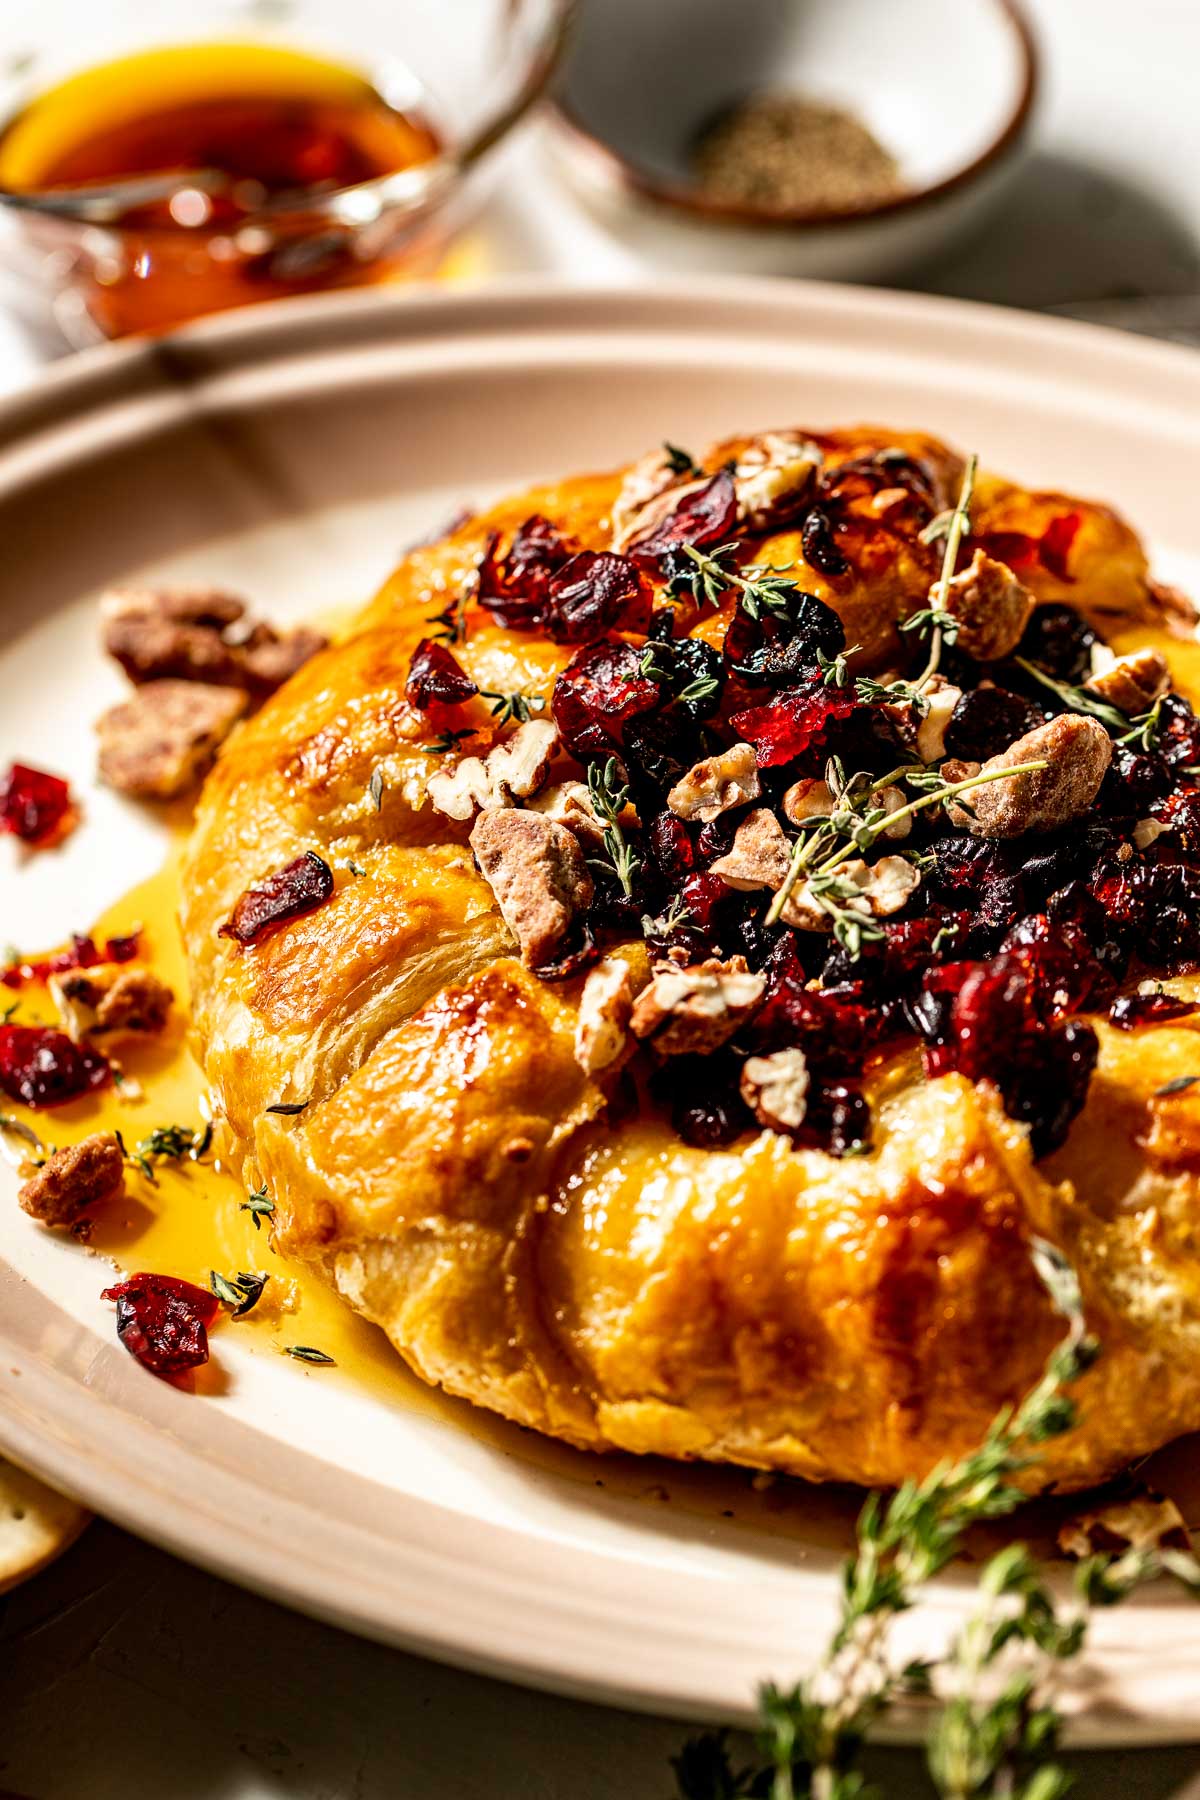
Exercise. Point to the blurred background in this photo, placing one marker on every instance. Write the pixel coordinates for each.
(1041, 156)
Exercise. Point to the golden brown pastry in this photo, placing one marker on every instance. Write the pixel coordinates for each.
(587, 955)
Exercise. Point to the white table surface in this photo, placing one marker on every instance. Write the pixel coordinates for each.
(126, 1674)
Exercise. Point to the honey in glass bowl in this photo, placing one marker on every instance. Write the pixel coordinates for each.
(277, 140)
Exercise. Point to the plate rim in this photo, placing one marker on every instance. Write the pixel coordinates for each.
(51, 419)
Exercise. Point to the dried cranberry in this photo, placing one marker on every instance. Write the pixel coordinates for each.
(820, 548)
(660, 748)
(702, 894)
(596, 592)
(1178, 738)
(772, 651)
(578, 953)
(1180, 813)
(298, 888)
(671, 848)
(792, 722)
(1155, 908)
(45, 1068)
(515, 587)
(982, 877)
(702, 517)
(34, 806)
(987, 720)
(692, 671)
(81, 953)
(840, 1114)
(598, 692)
(163, 1321)
(1058, 640)
(863, 475)
(702, 1095)
(1134, 782)
(435, 674)
(995, 1028)
(1132, 1010)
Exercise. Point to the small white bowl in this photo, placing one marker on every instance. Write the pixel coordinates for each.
(947, 86)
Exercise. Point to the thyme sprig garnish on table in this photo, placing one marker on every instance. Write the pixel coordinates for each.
(992, 1737)
(862, 829)
(609, 795)
(167, 1143)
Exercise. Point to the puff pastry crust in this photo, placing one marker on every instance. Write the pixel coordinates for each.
(552, 1250)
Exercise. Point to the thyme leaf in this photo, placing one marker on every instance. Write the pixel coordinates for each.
(259, 1206)
(518, 706)
(448, 740)
(306, 1353)
(1077, 699)
(167, 1143)
(287, 1108)
(681, 462)
(241, 1293)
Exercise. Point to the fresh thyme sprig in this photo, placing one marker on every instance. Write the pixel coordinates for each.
(677, 914)
(446, 741)
(864, 829)
(167, 1143)
(451, 622)
(518, 706)
(609, 796)
(763, 589)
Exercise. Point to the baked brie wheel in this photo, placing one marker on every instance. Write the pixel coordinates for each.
(669, 960)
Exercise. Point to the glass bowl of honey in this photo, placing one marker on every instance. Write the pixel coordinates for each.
(157, 164)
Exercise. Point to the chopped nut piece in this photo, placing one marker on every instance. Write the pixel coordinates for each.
(759, 855)
(925, 732)
(116, 998)
(883, 888)
(1133, 683)
(1077, 752)
(642, 521)
(604, 1009)
(537, 872)
(992, 608)
(695, 1010)
(569, 803)
(1143, 1521)
(652, 475)
(270, 657)
(808, 798)
(772, 478)
(893, 800)
(159, 743)
(715, 785)
(73, 1179)
(184, 634)
(516, 768)
(775, 1088)
(1148, 831)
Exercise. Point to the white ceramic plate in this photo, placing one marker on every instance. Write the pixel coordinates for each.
(292, 451)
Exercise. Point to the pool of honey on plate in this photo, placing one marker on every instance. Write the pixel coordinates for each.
(192, 1220)
(270, 124)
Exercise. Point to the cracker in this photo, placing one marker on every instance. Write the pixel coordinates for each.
(36, 1524)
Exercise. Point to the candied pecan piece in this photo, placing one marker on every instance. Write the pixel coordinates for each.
(605, 1006)
(516, 768)
(159, 743)
(773, 479)
(183, 603)
(268, 658)
(1133, 683)
(111, 998)
(1077, 752)
(716, 785)
(1143, 1520)
(696, 1009)
(537, 872)
(775, 1088)
(288, 893)
(759, 855)
(73, 1179)
(992, 608)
